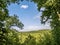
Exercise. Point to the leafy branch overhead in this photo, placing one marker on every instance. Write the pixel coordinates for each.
(13, 21)
(52, 9)
(51, 14)
(7, 21)
(4, 13)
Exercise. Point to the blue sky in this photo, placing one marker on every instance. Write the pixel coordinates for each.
(29, 15)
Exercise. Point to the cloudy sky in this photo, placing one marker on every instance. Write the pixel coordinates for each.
(29, 15)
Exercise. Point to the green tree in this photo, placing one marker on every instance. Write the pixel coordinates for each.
(3, 15)
(52, 14)
(13, 21)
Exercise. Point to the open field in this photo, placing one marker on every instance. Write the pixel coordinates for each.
(40, 34)
(27, 38)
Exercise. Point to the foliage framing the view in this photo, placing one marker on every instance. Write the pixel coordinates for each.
(52, 14)
(4, 14)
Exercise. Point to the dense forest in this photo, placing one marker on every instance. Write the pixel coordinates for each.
(51, 13)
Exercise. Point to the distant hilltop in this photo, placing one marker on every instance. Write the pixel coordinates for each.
(34, 30)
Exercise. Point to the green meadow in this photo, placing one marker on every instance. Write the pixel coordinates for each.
(40, 37)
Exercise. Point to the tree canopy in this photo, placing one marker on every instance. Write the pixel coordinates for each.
(7, 21)
(51, 14)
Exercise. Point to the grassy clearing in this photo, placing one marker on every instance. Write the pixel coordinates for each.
(40, 34)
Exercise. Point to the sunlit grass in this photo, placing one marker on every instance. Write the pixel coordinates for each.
(36, 34)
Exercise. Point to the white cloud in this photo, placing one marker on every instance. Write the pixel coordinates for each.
(24, 6)
(32, 27)
(36, 27)
(38, 16)
(42, 9)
